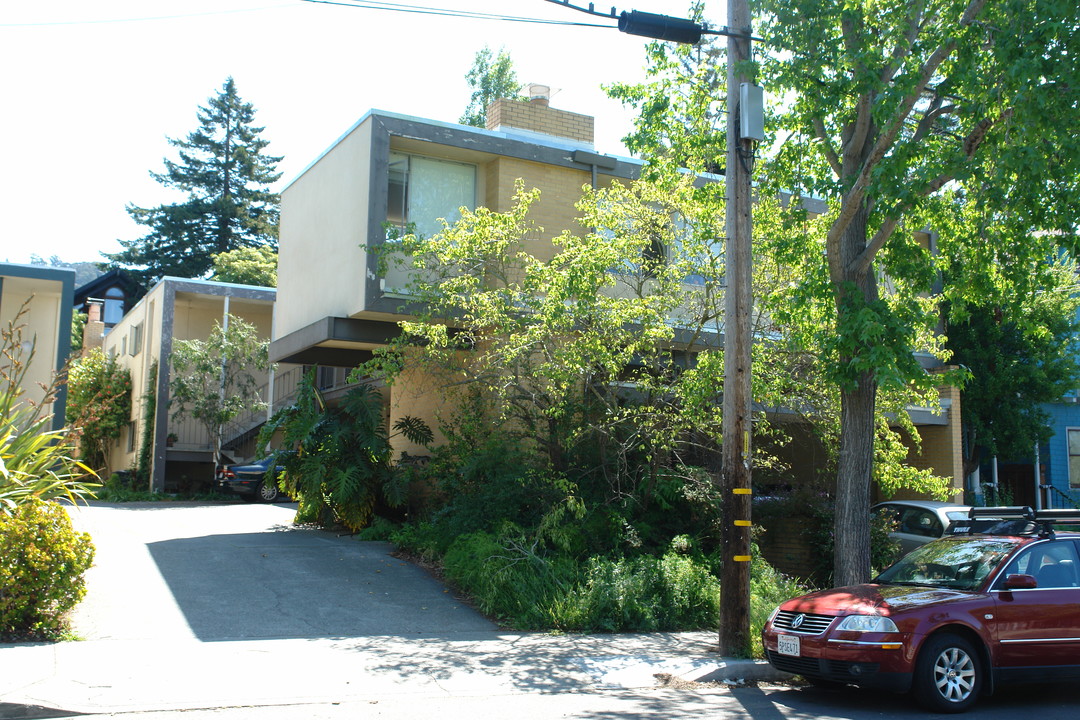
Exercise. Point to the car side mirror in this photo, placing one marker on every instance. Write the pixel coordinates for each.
(1020, 582)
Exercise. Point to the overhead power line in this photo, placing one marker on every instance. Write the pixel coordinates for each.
(152, 18)
(448, 12)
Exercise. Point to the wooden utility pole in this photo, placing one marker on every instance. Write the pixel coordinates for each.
(738, 300)
(738, 306)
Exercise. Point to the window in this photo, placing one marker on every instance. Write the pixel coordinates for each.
(920, 522)
(655, 255)
(703, 257)
(1074, 458)
(132, 429)
(136, 339)
(114, 306)
(1052, 564)
(669, 239)
(422, 190)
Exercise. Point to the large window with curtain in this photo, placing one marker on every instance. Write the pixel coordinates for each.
(422, 190)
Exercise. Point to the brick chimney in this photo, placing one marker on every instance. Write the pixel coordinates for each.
(94, 331)
(535, 115)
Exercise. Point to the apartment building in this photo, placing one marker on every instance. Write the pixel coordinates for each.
(179, 309)
(335, 305)
(48, 293)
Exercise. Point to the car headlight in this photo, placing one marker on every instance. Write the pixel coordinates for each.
(868, 624)
(775, 612)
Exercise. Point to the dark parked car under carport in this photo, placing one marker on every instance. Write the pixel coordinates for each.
(253, 482)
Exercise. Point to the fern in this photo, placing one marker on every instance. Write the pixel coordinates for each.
(337, 458)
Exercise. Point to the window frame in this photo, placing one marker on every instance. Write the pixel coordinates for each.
(396, 157)
(1074, 477)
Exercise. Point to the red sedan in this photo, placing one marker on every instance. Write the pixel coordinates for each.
(949, 621)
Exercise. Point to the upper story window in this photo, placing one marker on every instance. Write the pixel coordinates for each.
(667, 239)
(136, 339)
(114, 306)
(423, 190)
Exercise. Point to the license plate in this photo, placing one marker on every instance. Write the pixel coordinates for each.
(787, 645)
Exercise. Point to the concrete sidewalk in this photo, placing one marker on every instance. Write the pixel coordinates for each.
(116, 676)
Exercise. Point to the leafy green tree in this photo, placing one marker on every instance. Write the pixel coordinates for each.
(555, 341)
(98, 404)
(226, 175)
(680, 125)
(247, 266)
(78, 330)
(216, 380)
(602, 361)
(681, 113)
(1019, 357)
(905, 116)
(490, 78)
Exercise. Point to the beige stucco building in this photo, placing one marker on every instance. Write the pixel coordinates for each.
(47, 324)
(178, 309)
(335, 305)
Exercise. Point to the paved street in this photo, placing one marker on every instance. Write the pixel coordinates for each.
(226, 611)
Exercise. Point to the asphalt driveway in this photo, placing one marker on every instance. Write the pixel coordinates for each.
(237, 571)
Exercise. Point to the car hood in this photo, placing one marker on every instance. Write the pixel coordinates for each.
(873, 599)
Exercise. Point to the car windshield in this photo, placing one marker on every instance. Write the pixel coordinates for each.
(960, 563)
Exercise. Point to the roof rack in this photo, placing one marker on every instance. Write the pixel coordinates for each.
(1015, 520)
(1004, 512)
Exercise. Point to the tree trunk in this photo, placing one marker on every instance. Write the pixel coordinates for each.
(851, 562)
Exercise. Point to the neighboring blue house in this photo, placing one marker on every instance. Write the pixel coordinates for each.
(1060, 457)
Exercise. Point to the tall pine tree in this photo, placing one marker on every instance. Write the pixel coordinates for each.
(226, 176)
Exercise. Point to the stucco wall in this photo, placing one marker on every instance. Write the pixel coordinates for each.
(191, 316)
(147, 315)
(47, 323)
(324, 223)
(554, 211)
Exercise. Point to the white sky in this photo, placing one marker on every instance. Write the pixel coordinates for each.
(91, 90)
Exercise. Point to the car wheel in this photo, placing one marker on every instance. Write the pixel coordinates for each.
(267, 491)
(948, 674)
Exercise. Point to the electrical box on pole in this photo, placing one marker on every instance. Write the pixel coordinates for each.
(751, 112)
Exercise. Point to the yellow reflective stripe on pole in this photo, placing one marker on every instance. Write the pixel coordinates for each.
(742, 523)
(741, 491)
(741, 558)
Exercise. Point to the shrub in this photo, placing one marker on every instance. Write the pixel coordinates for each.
(508, 578)
(336, 459)
(36, 462)
(42, 561)
(98, 404)
(643, 594)
(513, 579)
